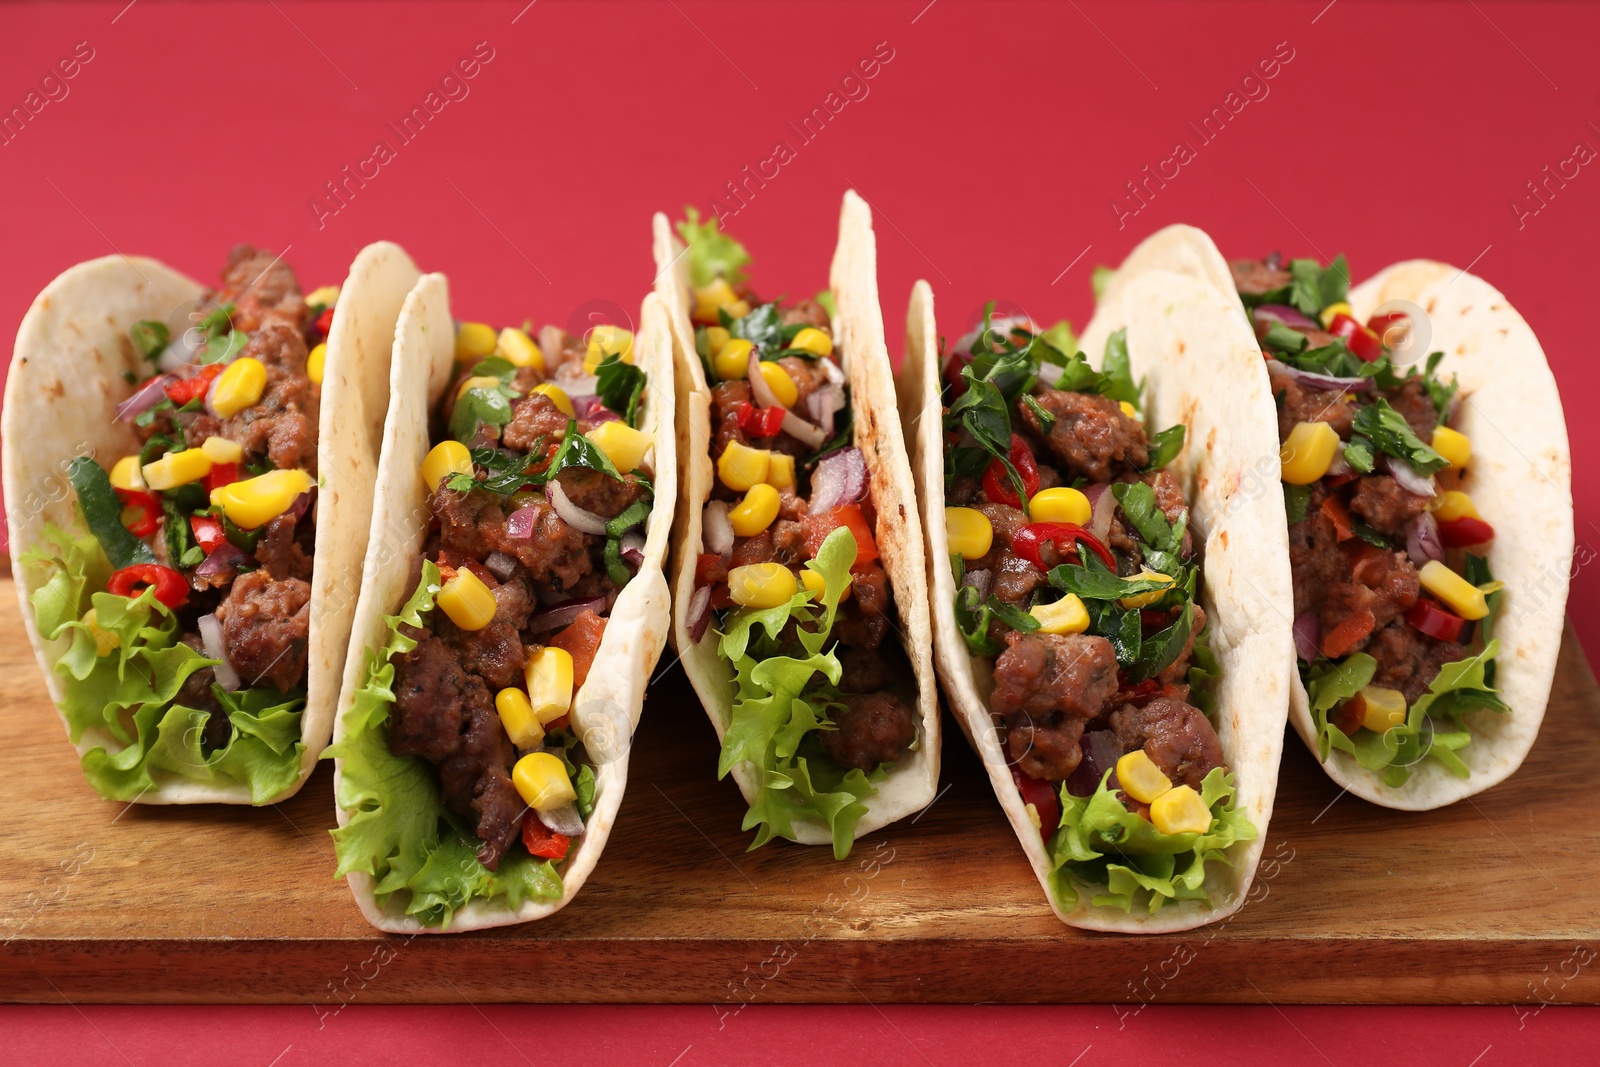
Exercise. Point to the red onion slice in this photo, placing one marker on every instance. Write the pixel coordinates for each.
(839, 479)
(1323, 382)
(571, 514)
(145, 397)
(563, 820)
(632, 548)
(699, 613)
(224, 560)
(519, 524)
(564, 614)
(1103, 505)
(301, 505)
(832, 372)
(764, 396)
(1100, 753)
(1423, 544)
(1339, 466)
(500, 565)
(801, 430)
(1291, 317)
(717, 528)
(1409, 479)
(211, 638)
(981, 580)
(1307, 636)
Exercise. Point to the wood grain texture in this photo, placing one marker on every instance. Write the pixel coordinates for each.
(1492, 900)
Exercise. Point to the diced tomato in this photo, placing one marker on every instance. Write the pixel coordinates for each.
(1366, 345)
(169, 585)
(997, 484)
(818, 527)
(1138, 693)
(1028, 542)
(952, 374)
(759, 422)
(186, 389)
(1349, 716)
(207, 532)
(1042, 795)
(1435, 621)
(1459, 533)
(581, 640)
(721, 597)
(709, 569)
(1334, 481)
(1344, 637)
(1339, 515)
(1381, 324)
(141, 513)
(542, 841)
(324, 322)
(221, 474)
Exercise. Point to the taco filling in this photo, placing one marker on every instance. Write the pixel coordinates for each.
(188, 602)
(789, 573)
(1077, 574)
(539, 489)
(1394, 603)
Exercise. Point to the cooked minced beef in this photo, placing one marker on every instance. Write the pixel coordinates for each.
(265, 623)
(1047, 686)
(1092, 437)
(1176, 736)
(873, 728)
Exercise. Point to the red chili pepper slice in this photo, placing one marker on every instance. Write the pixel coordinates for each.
(169, 585)
(997, 484)
(207, 532)
(187, 389)
(1382, 324)
(1029, 540)
(221, 474)
(1434, 621)
(542, 841)
(1042, 795)
(759, 422)
(1366, 345)
(1462, 532)
(141, 513)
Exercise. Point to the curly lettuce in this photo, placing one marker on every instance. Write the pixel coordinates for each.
(130, 692)
(712, 253)
(399, 830)
(784, 694)
(1101, 842)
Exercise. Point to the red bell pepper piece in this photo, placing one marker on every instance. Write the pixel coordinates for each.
(542, 841)
(1344, 637)
(1382, 324)
(207, 532)
(997, 485)
(759, 422)
(1339, 515)
(324, 322)
(221, 474)
(709, 569)
(1434, 621)
(1366, 345)
(1459, 533)
(141, 513)
(818, 527)
(186, 389)
(1042, 795)
(169, 585)
(1028, 541)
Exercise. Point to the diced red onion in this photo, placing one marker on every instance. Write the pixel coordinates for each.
(832, 372)
(564, 614)
(571, 514)
(764, 396)
(223, 561)
(1103, 505)
(1273, 261)
(823, 404)
(801, 430)
(1339, 465)
(584, 385)
(500, 565)
(597, 414)
(211, 638)
(981, 580)
(1100, 753)
(301, 504)
(699, 613)
(839, 479)
(1409, 479)
(550, 339)
(632, 548)
(145, 397)
(1325, 382)
(1307, 636)
(519, 524)
(1291, 317)
(563, 820)
(1423, 544)
(717, 528)
(1050, 374)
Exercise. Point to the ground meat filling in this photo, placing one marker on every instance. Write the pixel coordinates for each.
(265, 623)
(1046, 687)
(1176, 736)
(1092, 437)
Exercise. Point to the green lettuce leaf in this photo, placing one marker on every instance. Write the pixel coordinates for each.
(712, 253)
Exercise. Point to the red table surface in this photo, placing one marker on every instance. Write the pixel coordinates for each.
(995, 142)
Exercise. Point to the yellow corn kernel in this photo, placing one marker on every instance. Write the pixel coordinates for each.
(814, 341)
(1061, 504)
(732, 361)
(466, 600)
(816, 586)
(1453, 505)
(607, 341)
(222, 450)
(1143, 600)
(105, 642)
(1460, 595)
(968, 531)
(326, 296)
(542, 782)
(480, 382)
(1308, 452)
(177, 468)
(719, 295)
(756, 511)
(474, 340)
(780, 470)
(257, 501)
(549, 679)
(446, 458)
(1331, 310)
(516, 715)
(239, 386)
(1065, 616)
(519, 350)
(780, 383)
(1128, 409)
(741, 466)
(558, 396)
(126, 473)
(1140, 778)
(761, 585)
(1453, 445)
(1180, 811)
(1383, 708)
(316, 359)
(623, 445)
(716, 337)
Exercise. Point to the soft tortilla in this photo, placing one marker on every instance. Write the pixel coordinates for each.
(912, 782)
(61, 397)
(606, 709)
(1203, 371)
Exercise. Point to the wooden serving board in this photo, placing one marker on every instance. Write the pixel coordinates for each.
(1496, 899)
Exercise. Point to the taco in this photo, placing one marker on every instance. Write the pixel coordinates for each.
(800, 604)
(1102, 578)
(512, 607)
(188, 480)
(1427, 486)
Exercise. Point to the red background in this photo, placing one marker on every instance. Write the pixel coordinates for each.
(992, 145)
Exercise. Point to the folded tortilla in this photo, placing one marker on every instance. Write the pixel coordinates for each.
(1204, 372)
(853, 281)
(605, 711)
(65, 383)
